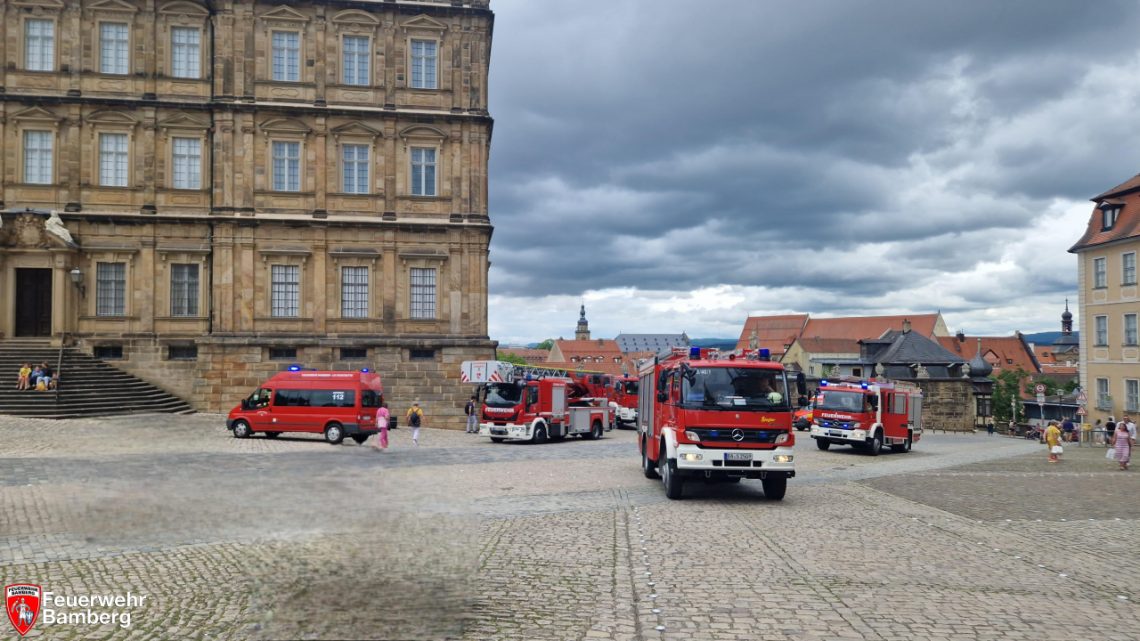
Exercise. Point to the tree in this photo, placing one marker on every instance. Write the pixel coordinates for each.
(1007, 395)
(547, 344)
(511, 357)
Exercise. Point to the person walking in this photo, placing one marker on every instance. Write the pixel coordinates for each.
(472, 416)
(990, 428)
(1122, 441)
(1067, 428)
(382, 416)
(1109, 431)
(415, 417)
(1053, 441)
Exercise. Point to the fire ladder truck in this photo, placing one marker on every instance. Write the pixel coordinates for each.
(536, 404)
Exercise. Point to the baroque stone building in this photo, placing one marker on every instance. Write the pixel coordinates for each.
(211, 190)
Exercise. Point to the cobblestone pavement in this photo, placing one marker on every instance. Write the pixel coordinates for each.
(966, 537)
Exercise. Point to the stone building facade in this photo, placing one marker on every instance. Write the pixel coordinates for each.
(211, 191)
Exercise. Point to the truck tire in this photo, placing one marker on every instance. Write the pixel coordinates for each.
(822, 443)
(241, 429)
(674, 484)
(876, 444)
(334, 433)
(596, 431)
(539, 433)
(648, 467)
(775, 487)
(905, 447)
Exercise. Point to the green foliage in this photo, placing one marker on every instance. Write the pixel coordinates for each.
(547, 344)
(511, 357)
(1007, 387)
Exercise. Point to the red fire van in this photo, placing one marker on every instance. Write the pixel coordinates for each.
(336, 404)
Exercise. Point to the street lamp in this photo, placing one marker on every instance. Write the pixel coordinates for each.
(77, 280)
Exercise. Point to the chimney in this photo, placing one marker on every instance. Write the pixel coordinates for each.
(961, 336)
(906, 325)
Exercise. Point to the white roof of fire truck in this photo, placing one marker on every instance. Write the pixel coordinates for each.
(504, 372)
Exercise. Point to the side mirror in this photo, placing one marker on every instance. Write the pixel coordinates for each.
(801, 384)
(802, 401)
(245, 403)
(662, 396)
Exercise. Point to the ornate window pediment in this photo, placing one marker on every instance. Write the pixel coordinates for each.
(357, 18)
(285, 14)
(183, 121)
(184, 10)
(422, 132)
(112, 6)
(37, 114)
(285, 126)
(424, 23)
(54, 5)
(112, 118)
(356, 129)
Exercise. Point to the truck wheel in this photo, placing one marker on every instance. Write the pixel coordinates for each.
(540, 433)
(876, 444)
(822, 443)
(775, 487)
(497, 439)
(241, 429)
(334, 433)
(596, 430)
(673, 482)
(648, 467)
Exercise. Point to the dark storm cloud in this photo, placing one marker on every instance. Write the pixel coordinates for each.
(672, 145)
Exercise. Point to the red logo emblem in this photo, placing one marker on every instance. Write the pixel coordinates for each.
(22, 601)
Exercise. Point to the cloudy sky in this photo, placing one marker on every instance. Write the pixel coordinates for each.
(679, 165)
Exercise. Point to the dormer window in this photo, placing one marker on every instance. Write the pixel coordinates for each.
(1110, 213)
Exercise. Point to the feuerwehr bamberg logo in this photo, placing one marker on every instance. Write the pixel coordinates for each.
(22, 602)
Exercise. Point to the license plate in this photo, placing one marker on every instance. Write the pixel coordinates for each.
(738, 456)
(837, 433)
(498, 431)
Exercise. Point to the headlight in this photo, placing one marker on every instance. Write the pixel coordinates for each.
(692, 456)
(783, 458)
(856, 425)
(783, 438)
(692, 436)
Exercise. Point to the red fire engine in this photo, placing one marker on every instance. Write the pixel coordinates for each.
(868, 415)
(624, 400)
(535, 404)
(718, 419)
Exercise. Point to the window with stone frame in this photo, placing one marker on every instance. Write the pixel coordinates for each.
(39, 45)
(353, 292)
(1100, 273)
(286, 165)
(1130, 329)
(110, 289)
(1100, 338)
(184, 288)
(423, 171)
(114, 159)
(186, 163)
(356, 56)
(285, 291)
(286, 56)
(355, 168)
(1131, 395)
(424, 64)
(186, 52)
(1128, 269)
(422, 293)
(39, 161)
(1103, 400)
(114, 48)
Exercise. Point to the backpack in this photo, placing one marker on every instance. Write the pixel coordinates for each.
(414, 420)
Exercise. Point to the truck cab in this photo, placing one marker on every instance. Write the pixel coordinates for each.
(868, 415)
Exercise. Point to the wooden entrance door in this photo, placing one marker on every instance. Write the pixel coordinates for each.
(33, 302)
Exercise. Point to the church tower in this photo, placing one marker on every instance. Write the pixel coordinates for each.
(583, 331)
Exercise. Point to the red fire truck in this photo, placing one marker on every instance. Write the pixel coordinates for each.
(624, 400)
(535, 404)
(701, 416)
(868, 415)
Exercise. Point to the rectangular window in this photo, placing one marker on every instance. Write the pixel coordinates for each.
(183, 290)
(1103, 400)
(1128, 275)
(355, 163)
(286, 166)
(114, 48)
(182, 353)
(354, 292)
(39, 45)
(187, 159)
(1130, 329)
(1110, 214)
(185, 52)
(423, 64)
(282, 353)
(110, 289)
(1100, 272)
(113, 158)
(356, 57)
(38, 157)
(423, 171)
(1132, 395)
(423, 293)
(286, 56)
(353, 353)
(1101, 324)
(421, 354)
(108, 352)
(285, 291)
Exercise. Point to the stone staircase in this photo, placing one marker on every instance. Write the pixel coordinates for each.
(87, 386)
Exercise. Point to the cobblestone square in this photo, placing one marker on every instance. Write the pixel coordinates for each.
(966, 537)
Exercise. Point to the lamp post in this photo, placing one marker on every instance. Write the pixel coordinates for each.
(77, 280)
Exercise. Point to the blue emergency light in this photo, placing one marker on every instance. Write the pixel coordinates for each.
(695, 352)
(294, 368)
(863, 384)
(823, 383)
(764, 354)
(364, 371)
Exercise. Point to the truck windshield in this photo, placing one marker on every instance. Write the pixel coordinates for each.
(503, 395)
(842, 401)
(734, 388)
(629, 387)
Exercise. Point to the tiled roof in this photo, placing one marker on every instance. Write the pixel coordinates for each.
(998, 351)
(907, 347)
(816, 345)
(772, 332)
(1127, 224)
(861, 327)
(532, 356)
(598, 346)
(650, 342)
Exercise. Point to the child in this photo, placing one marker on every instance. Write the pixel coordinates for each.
(415, 417)
(25, 372)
